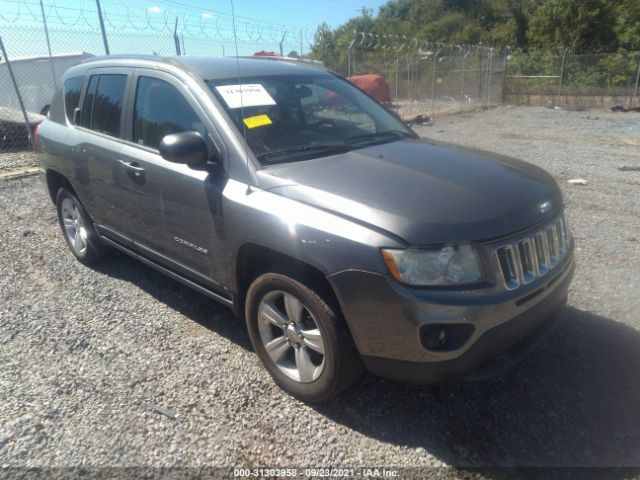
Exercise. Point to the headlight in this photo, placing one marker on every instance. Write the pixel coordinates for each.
(449, 265)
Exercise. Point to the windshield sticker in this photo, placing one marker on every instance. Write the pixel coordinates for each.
(257, 121)
(249, 95)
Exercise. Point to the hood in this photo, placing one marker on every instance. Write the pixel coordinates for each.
(422, 191)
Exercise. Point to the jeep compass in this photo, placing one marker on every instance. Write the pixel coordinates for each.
(288, 194)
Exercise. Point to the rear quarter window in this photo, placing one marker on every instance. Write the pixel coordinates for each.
(72, 89)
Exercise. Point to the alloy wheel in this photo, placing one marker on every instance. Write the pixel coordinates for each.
(74, 227)
(290, 336)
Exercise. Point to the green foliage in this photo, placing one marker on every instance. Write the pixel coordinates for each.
(538, 32)
(627, 27)
(581, 26)
(575, 25)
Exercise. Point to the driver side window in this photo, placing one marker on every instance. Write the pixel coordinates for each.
(160, 110)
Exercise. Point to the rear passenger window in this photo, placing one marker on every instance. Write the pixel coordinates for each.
(102, 107)
(72, 88)
(160, 109)
(107, 106)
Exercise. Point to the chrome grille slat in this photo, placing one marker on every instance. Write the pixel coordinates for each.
(562, 230)
(552, 240)
(527, 260)
(533, 255)
(542, 253)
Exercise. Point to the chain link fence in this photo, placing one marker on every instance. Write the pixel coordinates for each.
(41, 40)
(573, 81)
(427, 78)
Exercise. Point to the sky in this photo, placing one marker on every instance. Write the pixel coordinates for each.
(260, 24)
(306, 13)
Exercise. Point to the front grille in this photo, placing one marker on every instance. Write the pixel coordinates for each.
(534, 255)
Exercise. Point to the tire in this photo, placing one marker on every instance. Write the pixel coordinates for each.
(78, 230)
(312, 354)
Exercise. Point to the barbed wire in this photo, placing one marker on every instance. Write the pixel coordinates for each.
(369, 40)
(217, 26)
(140, 19)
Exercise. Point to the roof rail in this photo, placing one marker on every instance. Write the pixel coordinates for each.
(317, 63)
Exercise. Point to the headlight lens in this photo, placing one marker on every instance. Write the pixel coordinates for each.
(449, 265)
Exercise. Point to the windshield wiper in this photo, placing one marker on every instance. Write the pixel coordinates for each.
(380, 136)
(305, 149)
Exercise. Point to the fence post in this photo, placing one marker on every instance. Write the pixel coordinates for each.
(176, 39)
(355, 35)
(489, 76)
(46, 34)
(15, 86)
(433, 83)
(480, 76)
(398, 50)
(416, 82)
(464, 66)
(409, 78)
(635, 91)
(301, 54)
(284, 35)
(104, 32)
(397, 73)
(504, 74)
(564, 56)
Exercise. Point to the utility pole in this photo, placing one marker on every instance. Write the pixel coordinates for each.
(365, 12)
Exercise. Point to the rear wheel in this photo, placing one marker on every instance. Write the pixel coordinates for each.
(78, 229)
(301, 340)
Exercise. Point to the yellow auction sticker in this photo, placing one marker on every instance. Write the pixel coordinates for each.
(257, 121)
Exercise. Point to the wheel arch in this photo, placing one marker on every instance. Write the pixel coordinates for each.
(55, 180)
(253, 260)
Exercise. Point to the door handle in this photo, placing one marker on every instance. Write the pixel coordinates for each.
(133, 167)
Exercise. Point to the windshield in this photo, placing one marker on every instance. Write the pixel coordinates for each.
(297, 117)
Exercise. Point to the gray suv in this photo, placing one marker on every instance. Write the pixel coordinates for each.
(291, 196)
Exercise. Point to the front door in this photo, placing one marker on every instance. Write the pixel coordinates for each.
(173, 208)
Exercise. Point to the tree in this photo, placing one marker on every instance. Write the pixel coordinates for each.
(628, 24)
(576, 25)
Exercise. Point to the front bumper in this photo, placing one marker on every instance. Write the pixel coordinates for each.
(386, 319)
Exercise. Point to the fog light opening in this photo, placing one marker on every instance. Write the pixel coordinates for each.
(434, 337)
(440, 338)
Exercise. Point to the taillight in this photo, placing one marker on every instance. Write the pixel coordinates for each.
(36, 137)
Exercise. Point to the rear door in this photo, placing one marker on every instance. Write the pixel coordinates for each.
(98, 141)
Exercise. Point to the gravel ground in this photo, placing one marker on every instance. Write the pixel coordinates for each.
(13, 160)
(120, 366)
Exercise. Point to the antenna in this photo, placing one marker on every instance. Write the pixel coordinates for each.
(244, 127)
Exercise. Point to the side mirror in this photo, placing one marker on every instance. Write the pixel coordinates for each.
(186, 147)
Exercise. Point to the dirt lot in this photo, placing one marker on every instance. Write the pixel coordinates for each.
(120, 366)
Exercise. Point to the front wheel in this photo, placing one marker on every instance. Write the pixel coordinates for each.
(300, 339)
